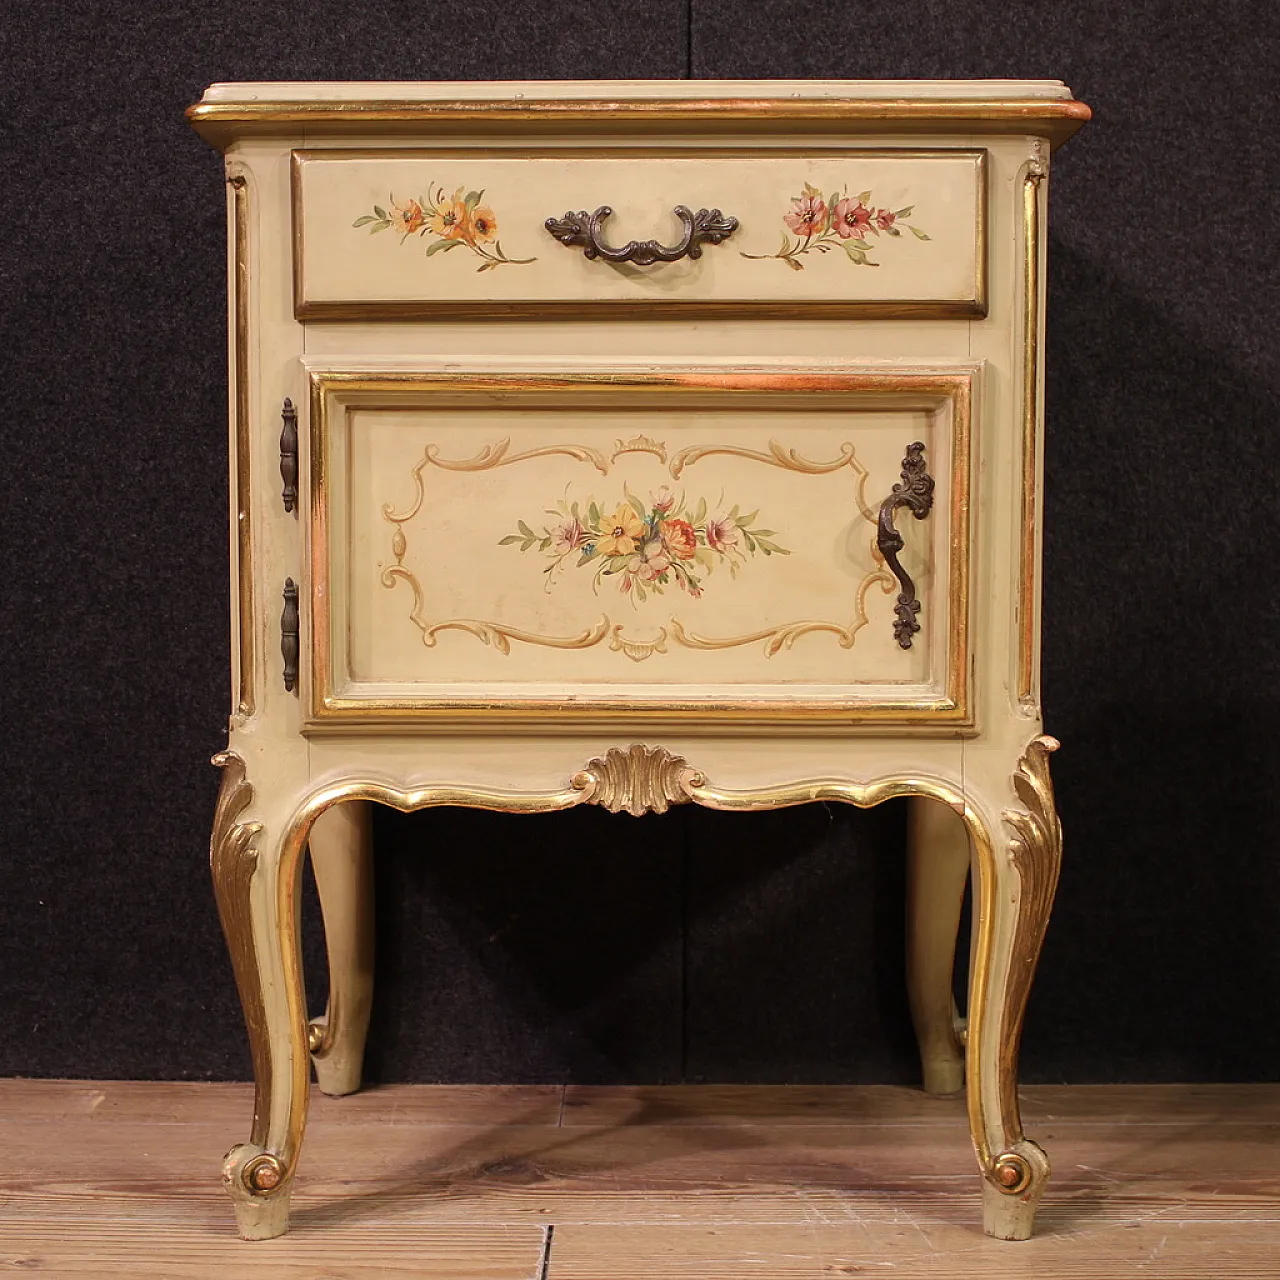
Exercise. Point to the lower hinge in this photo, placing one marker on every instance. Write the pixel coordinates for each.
(289, 634)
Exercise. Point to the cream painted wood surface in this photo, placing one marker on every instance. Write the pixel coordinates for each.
(447, 691)
(438, 1183)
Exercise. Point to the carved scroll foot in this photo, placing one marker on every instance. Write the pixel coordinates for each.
(259, 1196)
(938, 857)
(1012, 1193)
(1016, 884)
(255, 881)
(342, 859)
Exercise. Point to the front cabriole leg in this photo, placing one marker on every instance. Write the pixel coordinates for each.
(1017, 880)
(255, 879)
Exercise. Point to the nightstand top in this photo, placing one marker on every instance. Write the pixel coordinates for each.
(1042, 108)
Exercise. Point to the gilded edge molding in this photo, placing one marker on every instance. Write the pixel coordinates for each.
(1035, 849)
(238, 182)
(233, 861)
(1028, 577)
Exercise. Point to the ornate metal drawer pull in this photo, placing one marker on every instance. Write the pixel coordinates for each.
(583, 228)
(916, 493)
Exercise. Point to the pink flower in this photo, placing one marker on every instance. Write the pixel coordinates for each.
(807, 215)
(851, 218)
(567, 537)
(663, 500)
(651, 563)
(885, 219)
(722, 534)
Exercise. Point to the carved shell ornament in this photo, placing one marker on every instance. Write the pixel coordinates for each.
(638, 780)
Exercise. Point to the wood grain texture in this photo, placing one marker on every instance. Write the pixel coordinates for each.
(713, 1182)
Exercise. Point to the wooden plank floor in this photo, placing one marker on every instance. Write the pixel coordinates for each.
(688, 1183)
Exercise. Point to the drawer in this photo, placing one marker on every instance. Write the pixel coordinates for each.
(825, 231)
(681, 545)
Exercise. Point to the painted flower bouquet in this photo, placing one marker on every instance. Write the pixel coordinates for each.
(646, 547)
(841, 221)
(454, 220)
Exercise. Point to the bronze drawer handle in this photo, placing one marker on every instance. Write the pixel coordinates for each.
(583, 228)
(916, 493)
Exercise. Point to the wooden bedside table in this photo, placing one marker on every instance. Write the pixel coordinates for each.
(635, 444)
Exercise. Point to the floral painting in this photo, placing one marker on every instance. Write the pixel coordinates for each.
(840, 222)
(454, 221)
(646, 547)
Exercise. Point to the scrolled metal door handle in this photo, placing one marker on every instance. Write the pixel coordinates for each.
(707, 226)
(915, 492)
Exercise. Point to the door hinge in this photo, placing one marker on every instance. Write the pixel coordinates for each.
(289, 634)
(289, 455)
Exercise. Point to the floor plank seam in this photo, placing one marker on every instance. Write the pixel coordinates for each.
(544, 1258)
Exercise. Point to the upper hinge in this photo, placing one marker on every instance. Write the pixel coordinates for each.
(289, 455)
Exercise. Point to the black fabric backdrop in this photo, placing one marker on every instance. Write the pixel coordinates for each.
(696, 945)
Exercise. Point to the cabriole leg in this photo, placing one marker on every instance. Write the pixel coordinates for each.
(256, 882)
(342, 858)
(938, 856)
(1017, 876)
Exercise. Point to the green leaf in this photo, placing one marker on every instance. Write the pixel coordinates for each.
(811, 190)
(593, 513)
(381, 212)
(639, 590)
(526, 544)
(473, 198)
(833, 200)
(919, 235)
(509, 539)
(360, 222)
(636, 505)
(793, 264)
(488, 266)
(524, 528)
(378, 226)
(585, 557)
(747, 519)
(701, 513)
(855, 254)
(864, 196)
(857, 244)
(436, 246)
(544, 544)
(904, 212)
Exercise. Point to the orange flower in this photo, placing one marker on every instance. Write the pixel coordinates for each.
(484, 225)
(449, 218)
(679, 537)
(407, 217)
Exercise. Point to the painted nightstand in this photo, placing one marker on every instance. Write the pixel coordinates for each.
(635, 444)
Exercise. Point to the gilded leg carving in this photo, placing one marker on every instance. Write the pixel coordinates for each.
(938, 857)
(342, 858)
(255, 882)
(1016, 884)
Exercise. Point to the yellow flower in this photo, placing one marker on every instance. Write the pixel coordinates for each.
(449, 218)
(621, 530)
(484, 225)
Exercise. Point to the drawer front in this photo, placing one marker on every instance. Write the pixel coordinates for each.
(685, 546)
(404, 234)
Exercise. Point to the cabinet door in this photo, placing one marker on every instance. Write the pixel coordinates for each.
(681, 546)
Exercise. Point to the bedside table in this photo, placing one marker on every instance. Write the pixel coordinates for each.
(635, 444)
